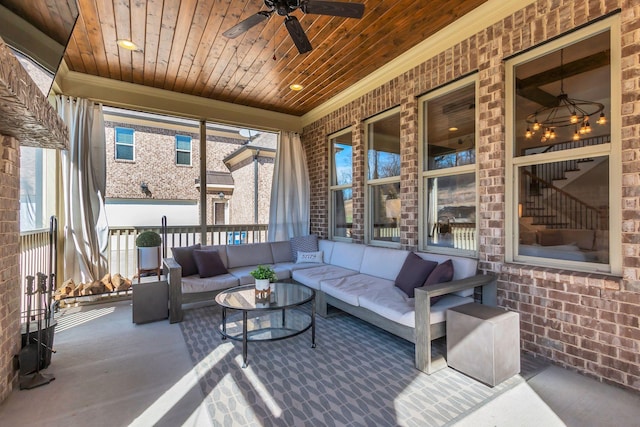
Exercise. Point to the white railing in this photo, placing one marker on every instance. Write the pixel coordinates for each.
(34, 257)
(122, 255)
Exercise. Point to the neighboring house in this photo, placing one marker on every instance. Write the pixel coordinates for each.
(153, 170)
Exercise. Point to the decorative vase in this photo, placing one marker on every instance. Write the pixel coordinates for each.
(149, 258)
(262, 288)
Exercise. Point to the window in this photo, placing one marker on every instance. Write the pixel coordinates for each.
(37, 187)
(383, 178)
(449, 171)
(563, 180)
(340, 185)
(124, 144)
(183, 150)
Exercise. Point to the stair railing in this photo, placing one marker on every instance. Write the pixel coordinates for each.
(557, 209)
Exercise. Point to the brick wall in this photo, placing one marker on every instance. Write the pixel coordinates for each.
(587, 322)
(9, 258)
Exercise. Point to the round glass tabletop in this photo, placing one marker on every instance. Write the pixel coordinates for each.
(282, 295)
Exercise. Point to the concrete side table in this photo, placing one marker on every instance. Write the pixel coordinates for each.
(150, 301)
(483, 342)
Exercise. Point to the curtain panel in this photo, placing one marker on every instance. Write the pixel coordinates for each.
(86, 232)
(290, 190)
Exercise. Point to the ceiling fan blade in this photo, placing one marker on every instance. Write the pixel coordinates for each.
(297, 34)
(333, 8)
(245, 25)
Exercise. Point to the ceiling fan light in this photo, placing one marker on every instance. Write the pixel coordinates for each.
(296, 87)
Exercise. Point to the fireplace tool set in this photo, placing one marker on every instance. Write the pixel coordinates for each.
(38, 323)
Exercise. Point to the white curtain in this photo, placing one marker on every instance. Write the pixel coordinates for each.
(86, 232)
(289, 209)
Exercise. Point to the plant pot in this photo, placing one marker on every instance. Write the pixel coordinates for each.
(149, 258)
(262, 288)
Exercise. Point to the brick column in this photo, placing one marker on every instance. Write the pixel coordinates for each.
(409, 173)
(9, 262)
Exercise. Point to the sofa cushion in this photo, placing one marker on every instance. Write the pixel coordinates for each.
(249, 255)
(312, 277)
(326, 246)
(390, 303)
(309, 257)
(281, 251)
(194, 284)
(303, 244)
(347, 255)
(184, 257)
(209, 263)
(282, 271)
(222, 251)
(291, 266)
(441, 274)
(382, 262)
(350, 288)
(413, 273)
(462, 267)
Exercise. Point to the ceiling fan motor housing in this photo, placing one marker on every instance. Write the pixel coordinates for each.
(282, 7)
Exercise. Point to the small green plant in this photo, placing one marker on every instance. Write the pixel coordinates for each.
(264, 272)
(148, 239)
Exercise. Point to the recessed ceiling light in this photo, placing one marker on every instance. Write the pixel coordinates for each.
(296, 87)
(453, 129)
(127, 44)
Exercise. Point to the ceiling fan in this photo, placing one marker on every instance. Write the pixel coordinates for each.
(285, 7)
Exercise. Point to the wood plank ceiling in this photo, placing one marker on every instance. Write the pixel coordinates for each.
(183, 50)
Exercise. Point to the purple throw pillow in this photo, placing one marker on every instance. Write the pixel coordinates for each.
(209, 263)
(184, 257)
(441, 274)
(413, 273)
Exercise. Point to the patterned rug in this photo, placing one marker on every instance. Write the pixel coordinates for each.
(358, 375)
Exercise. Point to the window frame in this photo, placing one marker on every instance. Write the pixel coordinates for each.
(333, 188)
(426, 174)
(132, 145)
(611, 150)
(190, 151)
(369, 184)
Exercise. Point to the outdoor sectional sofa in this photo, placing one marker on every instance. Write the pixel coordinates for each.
(355, 278)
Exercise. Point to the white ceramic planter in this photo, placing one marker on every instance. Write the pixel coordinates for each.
(262, 285)
(148, 258)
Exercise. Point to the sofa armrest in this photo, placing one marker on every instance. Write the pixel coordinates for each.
(423, 312)
(454, 286)
(173, 273)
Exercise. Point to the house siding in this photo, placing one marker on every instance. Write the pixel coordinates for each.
(586, 322)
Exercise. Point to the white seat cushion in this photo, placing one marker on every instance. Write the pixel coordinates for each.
(394, 305)
(350, 288)
(312, 277)
(195, 283)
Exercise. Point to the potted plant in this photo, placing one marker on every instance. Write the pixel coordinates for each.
(263, 275)
(148, 243)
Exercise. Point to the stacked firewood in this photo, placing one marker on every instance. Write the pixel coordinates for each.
(107, 284)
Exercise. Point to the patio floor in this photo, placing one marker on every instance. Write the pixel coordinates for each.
(111, 372)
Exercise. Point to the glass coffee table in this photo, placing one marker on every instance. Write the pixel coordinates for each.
(276, 317)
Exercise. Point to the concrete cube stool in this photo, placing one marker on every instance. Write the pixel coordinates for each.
(483, 342)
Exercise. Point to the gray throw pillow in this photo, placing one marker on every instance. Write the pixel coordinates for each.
(209, 263)
(303, 244)
(413, 273)
(441, 274)
(184, 257)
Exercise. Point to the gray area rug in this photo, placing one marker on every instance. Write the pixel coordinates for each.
(358, 375)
